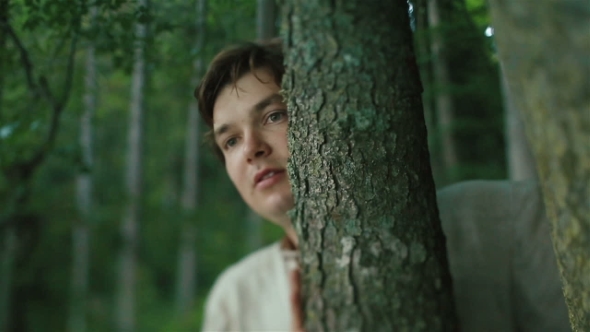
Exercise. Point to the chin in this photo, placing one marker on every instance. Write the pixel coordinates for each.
(277, 206)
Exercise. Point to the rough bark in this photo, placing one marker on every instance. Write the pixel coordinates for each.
(442, 96)
(372, 248)
(521, 164)
(187, 265)
(544, 48)
(125, 308)
(84, 188)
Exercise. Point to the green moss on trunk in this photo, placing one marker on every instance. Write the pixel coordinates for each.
(372, 246)
(545, 47)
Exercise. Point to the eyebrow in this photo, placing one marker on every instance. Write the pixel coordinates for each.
(259, 107)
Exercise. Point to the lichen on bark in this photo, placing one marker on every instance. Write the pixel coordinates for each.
(372, 247)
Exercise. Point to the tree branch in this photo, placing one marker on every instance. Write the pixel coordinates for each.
(24, 55)
(56, 106)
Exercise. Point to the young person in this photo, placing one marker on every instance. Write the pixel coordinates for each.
(498, 242)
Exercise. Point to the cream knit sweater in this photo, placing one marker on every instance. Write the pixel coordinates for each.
(504, 272)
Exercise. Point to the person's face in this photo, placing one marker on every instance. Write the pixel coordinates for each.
(250, 127)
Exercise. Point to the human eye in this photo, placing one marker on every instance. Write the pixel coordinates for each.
(277, 116)
(230, 142)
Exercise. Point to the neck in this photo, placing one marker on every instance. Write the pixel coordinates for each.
(290, 240)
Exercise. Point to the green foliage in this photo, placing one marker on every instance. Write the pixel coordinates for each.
(475, 90)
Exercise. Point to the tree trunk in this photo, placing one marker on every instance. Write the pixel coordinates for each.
(186, 284)
(521, 164)
(423, 56)
(373, 251)
(544, 47)
(8, 247)
(443, 99)
(125, 309)
(266, 17)
(84, 186)
(7, 235)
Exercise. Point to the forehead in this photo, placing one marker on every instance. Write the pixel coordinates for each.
(237, 99)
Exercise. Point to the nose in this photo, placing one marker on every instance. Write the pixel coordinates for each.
(256, 147)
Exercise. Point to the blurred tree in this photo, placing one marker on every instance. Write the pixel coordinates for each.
(127, 283)
(266, 19)
(372, 247)
(84, 186)
(23, 148)
(187, 265)
(423, 57)
(471, 88)
(521, 164)
(442, 84)
(544, 50)
(7, 240)
(476, 91)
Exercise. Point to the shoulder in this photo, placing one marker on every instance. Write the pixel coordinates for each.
(478, 219)
(488, 198)
(224, 308)
(242, 271)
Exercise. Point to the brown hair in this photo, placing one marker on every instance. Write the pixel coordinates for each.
(228, 66)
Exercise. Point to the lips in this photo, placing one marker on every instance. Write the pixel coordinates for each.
(264, 175)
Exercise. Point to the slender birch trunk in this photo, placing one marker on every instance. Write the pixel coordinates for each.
(423, 55)
(187, 262)
(84, 189)
(7, 234)
(266, 17)
(443, 99)
(126, 296)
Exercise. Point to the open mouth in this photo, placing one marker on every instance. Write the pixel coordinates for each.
(268, 178)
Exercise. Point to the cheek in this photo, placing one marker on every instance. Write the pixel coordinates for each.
(235, 175)
(282, 141)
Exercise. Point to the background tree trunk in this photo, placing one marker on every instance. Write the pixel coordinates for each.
(8, 247)
(84, 186)
(7, 234)
(423, 55)
(266, 19)
(187, 265)
(442, 96)
(373, 252)
(521, 164)
(125, 309)
(544, 47)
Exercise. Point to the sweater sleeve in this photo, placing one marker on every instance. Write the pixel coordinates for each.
(505, 275)
(476, 223)
(537, 296)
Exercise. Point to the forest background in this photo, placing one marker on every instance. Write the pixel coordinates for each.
(114, 215)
